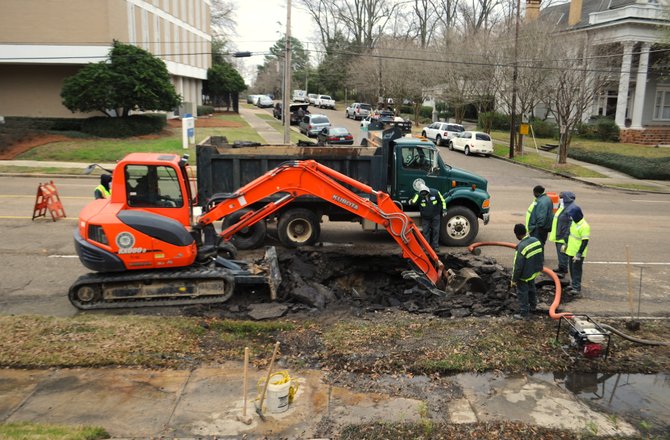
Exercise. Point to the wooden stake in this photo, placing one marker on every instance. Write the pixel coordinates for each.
(244, 418)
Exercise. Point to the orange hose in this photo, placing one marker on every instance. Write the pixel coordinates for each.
(551, 273)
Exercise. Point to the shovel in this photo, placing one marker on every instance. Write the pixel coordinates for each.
(259, 408)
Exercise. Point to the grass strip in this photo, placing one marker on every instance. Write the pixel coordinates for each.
(43, 431)
(547, 163)
(90, 150)
(386, 343)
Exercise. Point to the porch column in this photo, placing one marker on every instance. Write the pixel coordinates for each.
(624, 79)
(640, 87)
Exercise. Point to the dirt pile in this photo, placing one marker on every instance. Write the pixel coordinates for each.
(324, 278)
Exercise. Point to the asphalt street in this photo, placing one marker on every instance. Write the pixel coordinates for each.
(39, 262)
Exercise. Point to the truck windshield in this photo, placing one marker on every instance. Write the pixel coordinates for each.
(417, 158)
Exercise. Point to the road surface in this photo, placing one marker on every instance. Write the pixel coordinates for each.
(39, 263)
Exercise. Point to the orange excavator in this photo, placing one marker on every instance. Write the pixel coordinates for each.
(148, 249)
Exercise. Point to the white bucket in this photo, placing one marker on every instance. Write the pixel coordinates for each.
(277, 394)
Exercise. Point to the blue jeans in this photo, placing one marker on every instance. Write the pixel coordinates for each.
(576, 273)
(563, 260)
(527, 296)
(430, 228)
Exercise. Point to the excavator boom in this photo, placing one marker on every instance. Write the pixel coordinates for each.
(308, 177)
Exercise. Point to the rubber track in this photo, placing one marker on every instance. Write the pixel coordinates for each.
(190, 274)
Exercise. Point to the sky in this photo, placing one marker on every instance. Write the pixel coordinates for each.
(258, 28)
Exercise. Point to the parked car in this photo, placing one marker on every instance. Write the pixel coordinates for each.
(470, 142)
(358, 110)
(324, 101)
(312, 98)
(264, 101)
(334, 136)
(251, 99)
(300, 96)
(441, 132)
(311, 125)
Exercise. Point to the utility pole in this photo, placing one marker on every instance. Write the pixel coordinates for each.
(286, 101)
(512, 133)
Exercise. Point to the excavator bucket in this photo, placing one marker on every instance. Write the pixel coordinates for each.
(462, 281)
(261, 272)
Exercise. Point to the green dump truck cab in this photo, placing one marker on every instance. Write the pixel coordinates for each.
(395, 166)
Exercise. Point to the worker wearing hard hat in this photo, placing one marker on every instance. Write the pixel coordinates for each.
(104, 190)
(560, 229)
(432, 206)
(540, 215)
(528, 260)
(577, 247)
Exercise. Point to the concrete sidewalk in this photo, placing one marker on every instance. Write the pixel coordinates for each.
(206, 402)
(264, 129)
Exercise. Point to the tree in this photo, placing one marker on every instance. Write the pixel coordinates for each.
(132, 79)
(222, 17)
(222, 81)
(574, 85)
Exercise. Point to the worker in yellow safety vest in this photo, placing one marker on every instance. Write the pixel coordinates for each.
(577, 247)
(527, 266)
(104, 190)
(432, 207)
(560, 229)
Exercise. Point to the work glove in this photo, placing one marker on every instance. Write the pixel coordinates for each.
(578, 256)
(444, 214)
(512, 284)
(562, 249)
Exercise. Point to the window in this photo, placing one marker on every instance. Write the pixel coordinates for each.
(153, 186)
(417, 158)
(482, 137)
(455, 127)
(662, 105)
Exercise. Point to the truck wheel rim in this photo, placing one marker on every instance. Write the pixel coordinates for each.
(458, 227)
(299, 230)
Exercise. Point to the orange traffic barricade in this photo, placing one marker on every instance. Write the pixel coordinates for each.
(47, 199)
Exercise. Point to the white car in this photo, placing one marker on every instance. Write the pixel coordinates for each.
(441, 132)
(312, 98)
(264, 101)
(325, 101)
(471, 142)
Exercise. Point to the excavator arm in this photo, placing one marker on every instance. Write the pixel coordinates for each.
(298, 178)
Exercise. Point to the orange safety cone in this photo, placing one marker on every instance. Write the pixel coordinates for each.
(47, 199)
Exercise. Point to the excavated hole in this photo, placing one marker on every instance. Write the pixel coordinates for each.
(323, 278)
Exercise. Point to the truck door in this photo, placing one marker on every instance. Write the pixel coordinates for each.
(414, 163)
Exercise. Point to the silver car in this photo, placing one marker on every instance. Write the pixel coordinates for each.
(311, 125)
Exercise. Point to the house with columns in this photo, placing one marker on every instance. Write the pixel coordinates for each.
(639, 99)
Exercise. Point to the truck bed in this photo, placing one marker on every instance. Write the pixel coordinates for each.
(224, 168)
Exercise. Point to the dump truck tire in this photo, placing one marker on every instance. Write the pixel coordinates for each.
(248, 238)
(298, 227)
(459, 228)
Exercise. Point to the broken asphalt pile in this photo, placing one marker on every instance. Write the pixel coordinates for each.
(318, 279)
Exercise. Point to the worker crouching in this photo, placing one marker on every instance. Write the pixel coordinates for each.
(528, 260)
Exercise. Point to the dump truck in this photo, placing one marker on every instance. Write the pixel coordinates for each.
(396, 167)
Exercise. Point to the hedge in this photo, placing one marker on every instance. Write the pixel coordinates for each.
(204, 110)
(54, 124)
(656, 168)
(134, 125)
(604, 129)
